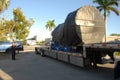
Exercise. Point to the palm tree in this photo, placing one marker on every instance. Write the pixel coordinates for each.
(107, 6)
(4, 5)
(50, 25)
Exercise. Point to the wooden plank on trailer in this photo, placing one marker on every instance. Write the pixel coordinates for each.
(46, 52)
(77, 60)
(65, 57)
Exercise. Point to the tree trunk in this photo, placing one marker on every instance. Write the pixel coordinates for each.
(105, 28)
(105, 20)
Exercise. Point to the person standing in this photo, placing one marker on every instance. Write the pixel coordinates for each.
(13, 51)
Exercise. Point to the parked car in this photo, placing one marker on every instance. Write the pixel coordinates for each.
(5, 46)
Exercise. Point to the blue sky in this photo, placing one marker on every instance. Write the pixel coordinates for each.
(43, 10)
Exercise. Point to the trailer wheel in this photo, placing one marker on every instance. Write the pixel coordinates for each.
(42, 52)
(94, 60)
(94, 64)
(36, 51)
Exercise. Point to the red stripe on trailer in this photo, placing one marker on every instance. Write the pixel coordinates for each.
(104, 45)
(118, 45)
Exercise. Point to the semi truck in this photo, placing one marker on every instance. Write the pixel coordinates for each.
(79, 40)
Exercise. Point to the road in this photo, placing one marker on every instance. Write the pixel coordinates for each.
(29, 66)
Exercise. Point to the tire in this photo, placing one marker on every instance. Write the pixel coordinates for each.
(42, 52)
(36, 51)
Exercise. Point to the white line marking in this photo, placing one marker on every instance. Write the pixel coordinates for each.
(5, 76)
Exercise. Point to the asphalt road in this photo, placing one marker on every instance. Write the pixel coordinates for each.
(30, 66)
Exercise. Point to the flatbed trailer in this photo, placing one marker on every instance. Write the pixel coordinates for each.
(68, 57)
(90, 54)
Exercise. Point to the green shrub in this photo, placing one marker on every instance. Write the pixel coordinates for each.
(117, 53)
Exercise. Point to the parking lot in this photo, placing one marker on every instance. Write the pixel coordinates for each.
(29, 66)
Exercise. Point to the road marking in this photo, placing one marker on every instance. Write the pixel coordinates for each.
(5, 76)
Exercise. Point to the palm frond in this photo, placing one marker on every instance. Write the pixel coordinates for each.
(100, 2)
(113, 2)
(114, 10)
(50, 24)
